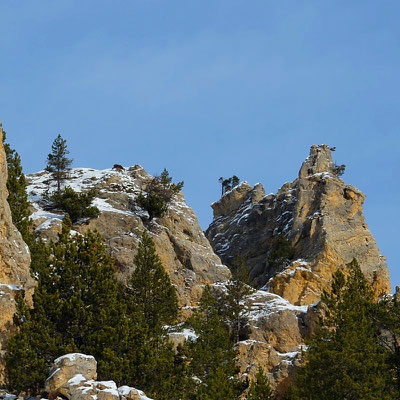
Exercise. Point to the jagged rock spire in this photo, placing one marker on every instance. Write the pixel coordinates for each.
(319, 160)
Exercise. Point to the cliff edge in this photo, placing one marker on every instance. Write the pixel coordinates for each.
(319, 216)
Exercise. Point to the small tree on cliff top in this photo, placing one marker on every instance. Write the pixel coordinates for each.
(57, 161)
(159, 194)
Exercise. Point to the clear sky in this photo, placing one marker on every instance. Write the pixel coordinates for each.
(209, 89)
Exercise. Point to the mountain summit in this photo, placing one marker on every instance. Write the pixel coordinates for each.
(317, 216)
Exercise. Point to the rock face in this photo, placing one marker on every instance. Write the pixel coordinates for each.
(180, 243)
(277, 331)
(73, 377)
(65, 368)
(320, 216)
(14, 262)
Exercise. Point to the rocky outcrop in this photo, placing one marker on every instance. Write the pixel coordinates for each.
(180, 243)
(73, 376)
(14, 263)
(320, 216)
(276, 337)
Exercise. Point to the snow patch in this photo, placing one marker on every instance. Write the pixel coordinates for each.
(73, 357)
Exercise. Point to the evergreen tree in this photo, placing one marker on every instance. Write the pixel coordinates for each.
(17, 195)
(229, 183)
(212, 358)
(345, 358)
(339, 169)
(80, 306)
(77, 306)
(58, 162)
(388, 319)
(150, 288)
(280, 254)
(76, 205)
(260, 389)
(234, 310)
(159, 194)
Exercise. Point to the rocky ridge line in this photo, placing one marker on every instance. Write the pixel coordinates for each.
(320, 216)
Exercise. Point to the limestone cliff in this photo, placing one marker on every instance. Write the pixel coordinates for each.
(14, 262)
(184, 250)
(320, 216)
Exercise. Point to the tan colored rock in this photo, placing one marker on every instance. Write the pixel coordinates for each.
(73, 377)
(318, 213)
(180, 242)
(130, 393)
(14, 263)
(277, 334)
(69, 371)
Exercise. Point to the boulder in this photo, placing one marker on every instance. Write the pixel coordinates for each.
(69, 371)
(73, 377)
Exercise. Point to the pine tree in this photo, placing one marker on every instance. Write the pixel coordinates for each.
(234, 310)
(159, 194)
(150, 288)
(58, 162)
(80, 306)
(280, 254)
(77, 306)
(260, 389)
(212, 355)
(76, 205)
(388, 319)
(345, 358)
(17, 195)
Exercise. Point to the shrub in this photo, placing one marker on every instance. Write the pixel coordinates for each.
(339, 169)
(76, 205)
(158, 195)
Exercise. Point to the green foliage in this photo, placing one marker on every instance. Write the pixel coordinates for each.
(150, 289)
(228, 184)
(153, 204)
(57, 161)
(339, 169)
(76, 205)
(260, 388)
(158, 195)
(388, 319)
(212, 358)
(80, 306)
(234, 311)
(17, 195)
(280, 254)
(345, 358)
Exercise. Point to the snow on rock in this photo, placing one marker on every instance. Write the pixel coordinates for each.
(73, 377)
(178, 334)
(72, 357)
(68, 367)
(179, 240)
(263, 304)
(129, 393)
(76, 379)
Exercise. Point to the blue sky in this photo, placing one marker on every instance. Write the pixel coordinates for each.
(209, 89)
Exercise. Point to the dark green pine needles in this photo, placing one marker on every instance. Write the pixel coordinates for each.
(17, 195)
(345, 358)
(80, 306)
(150, 288)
